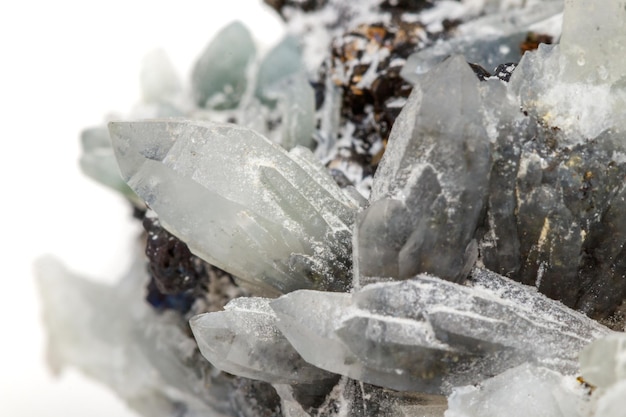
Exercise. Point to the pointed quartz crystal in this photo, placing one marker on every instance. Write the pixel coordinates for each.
(274, 219)
(243, 340)
(429, 191)
(429, 335)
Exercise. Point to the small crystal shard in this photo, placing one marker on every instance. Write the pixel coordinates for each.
(429, 335)
(226, 191)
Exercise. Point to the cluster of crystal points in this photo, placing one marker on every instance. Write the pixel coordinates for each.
(492, 201)
(424, 334)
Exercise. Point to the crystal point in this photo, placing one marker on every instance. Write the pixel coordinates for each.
(429, 335)
(429, 191)
(226, 190)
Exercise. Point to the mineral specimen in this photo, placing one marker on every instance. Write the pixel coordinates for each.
(458, 258)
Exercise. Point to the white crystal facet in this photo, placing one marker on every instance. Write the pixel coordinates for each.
(430, 189)
(578, 86)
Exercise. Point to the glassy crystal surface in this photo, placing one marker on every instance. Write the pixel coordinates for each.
(429, 191)
(279, 63)
(227, 191)
(429, 335)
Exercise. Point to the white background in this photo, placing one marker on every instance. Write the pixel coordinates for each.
(63, 66)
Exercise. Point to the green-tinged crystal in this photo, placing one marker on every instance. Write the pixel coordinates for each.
(279, 63)
(98, 161)
(219, 78)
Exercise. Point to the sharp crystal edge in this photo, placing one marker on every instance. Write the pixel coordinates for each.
(430, 189)
(429, 335)
(243, 340)
(227, 191)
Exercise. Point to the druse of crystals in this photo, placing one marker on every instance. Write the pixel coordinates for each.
(429, 335)
(520, 392)
(429, 191)
(466, 175)
(517, 174)
(228, 191)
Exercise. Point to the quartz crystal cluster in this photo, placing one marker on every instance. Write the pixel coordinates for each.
(405, 208)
